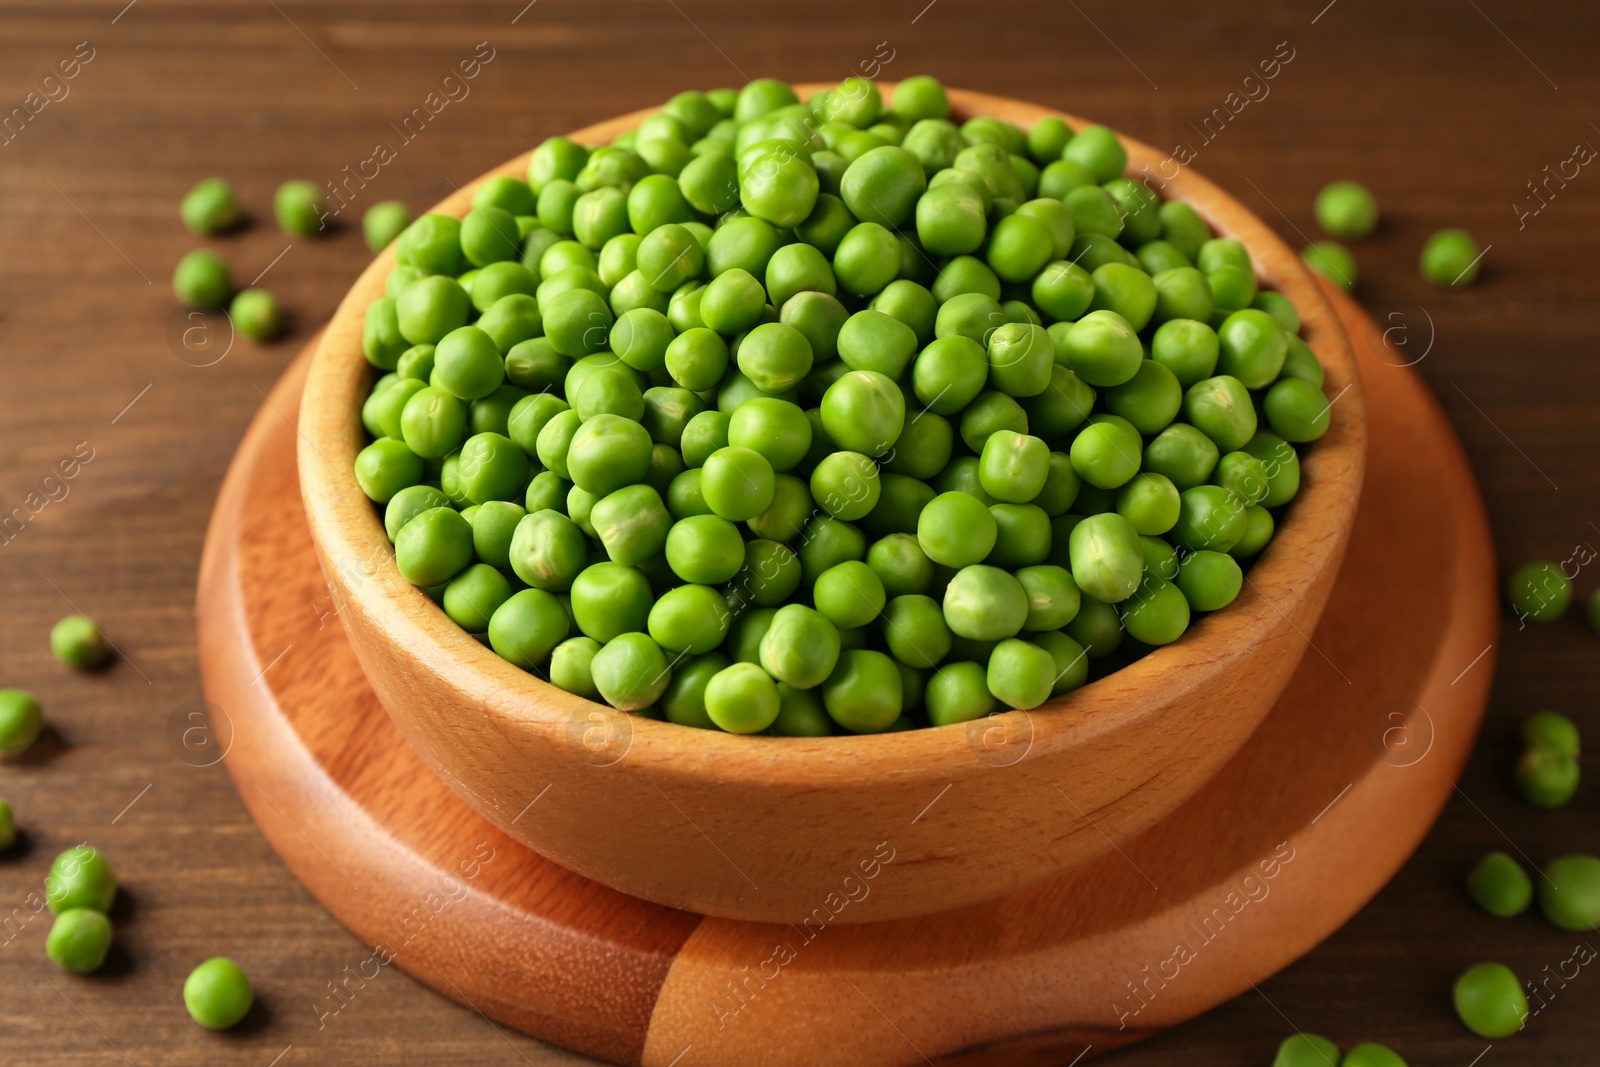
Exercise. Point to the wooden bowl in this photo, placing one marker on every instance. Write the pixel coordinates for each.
(840, 829)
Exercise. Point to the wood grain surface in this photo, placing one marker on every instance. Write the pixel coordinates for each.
(1447, 110)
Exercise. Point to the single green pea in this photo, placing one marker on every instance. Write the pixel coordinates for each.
(1107, 557)
(1489, 1001)
(985, 603)
(1297, 410)
(431, 308)
(434, 546)
(385, 467)
(1107, 453)
(1188, 349)
(990, 413)
(1150, 400)
(1151, 502)
(1252, 347)
(80, 877)
(1306, 1050)
(864, 693)
(704, 549)
(1546, 778)
(1549, 730)
(1569, 892)
(1098, 149)
(571, 666)
(630, 671)
(20, 721)
(684, 700)
(1158, 613)
(609, 599)
(1160, 256)
(256, 314)
(864, 411)
(431, 244)
(1210, 580)
(1450, 259)
(800, 647)
(956, 529)
(492, 467)
(778, 185)
(867, 259)
(1372, 1055)
(632, 524)
(1282, 464)
(210, 207)
(1209, 517)
(1182, 293)
(79, 940)
(690, 618)
(1500, 886)
(300, 209)
(742, 698)
(1020, 674)
(1221, 408)
(606, 452)
(1333, 261)
(217, 994)
(77, 641)
(849, 594)
(957, 693)
(1013, 466)
(949, 373)
(202, 279)
(1539, 591)
(1346, 209)
(472, 597)
(1021, 356)
(1097, 627)
(1102, 348)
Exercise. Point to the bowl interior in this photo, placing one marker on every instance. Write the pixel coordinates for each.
(351, 537)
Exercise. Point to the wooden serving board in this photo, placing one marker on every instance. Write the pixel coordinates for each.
(1306, 824)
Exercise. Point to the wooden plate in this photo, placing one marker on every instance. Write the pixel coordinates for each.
(1308, 821)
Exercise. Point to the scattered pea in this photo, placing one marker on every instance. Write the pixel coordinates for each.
(256, 314)
(77, 641)
(383, 223)
(1450, 259)
(1346, 209)
(20, 721)
(202, 280)
(217, 993)
(1569, 892)
(1500, 886)
(1539, 591)
(300, 208)
(79, 940)
(1489, 1001)
(210, 207)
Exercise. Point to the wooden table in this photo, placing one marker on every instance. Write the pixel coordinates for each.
(1445, 110)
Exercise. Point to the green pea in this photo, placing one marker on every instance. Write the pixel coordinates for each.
(1021, 356)
(1210, 580)
(1102, 348)
(1372, 1055)
(820, 317)
(1107, 558)
(801, 646)
(1151, 502)
(863, 411)
(79, 940)
(742, 698)
(1106, 453)
(1189, 349)
(1282, 464)
(80, 877)
(1549, 730)
(849, 594)
(434, 546)
(684, 700)
(867, 259)
(668, 257)
(1569, 892)
(1346, 209)
(883, 185)
(1546, 777)
(300, 209)
(535, 365)
(431, 308)
(779, 186)
(606, 453)
(490, 235)
(1061, 485)
(985, 603)
(1158, 613)
(1500, 886)
(256, 314)
(1297, 410)
(1334, 262)
(1539, 591)
(704, 549)
(630, 671)
(210, 207)
(632, 524)
(432, 244)
(924, 447)
(949, 373)
(1020, 674)
(1243, 475)
(951, 220)
(1450, 258)
(989, 413)
(1019, 247)
(1306, 1050)
(704, 434)
(1489, 1001)
(1063, 290)
(20, 721)
(957, 693)
(956, 530)
(571, 665)
(472, 597)
(864, 693)
(1013, 466)
(609, 599)
(690, 618)
(1150, 400)
(1210, 517)
(217, 994)
(202, 280)
(1053, 596)
(774, 356)
(800, 714)
(1221, 408)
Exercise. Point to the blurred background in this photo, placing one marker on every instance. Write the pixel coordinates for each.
(1469, 113)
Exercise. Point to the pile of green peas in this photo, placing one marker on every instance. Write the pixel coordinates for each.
(836, 415)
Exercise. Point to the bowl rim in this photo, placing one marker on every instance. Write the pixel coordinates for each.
(347, 528)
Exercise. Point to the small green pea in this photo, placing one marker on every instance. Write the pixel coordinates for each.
(217, 993)
(210, 207)
(383, 223)
(1539, 591)
(256, 314)
(300, 209)
(80, 877)
(1500, 886)
(20, 721)
(77, 641)
(79, 940)
(1569, 892)
(1489, 1000)
(1346, 209)
(202, 280)
(1306, 1050)
(1450, 259)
